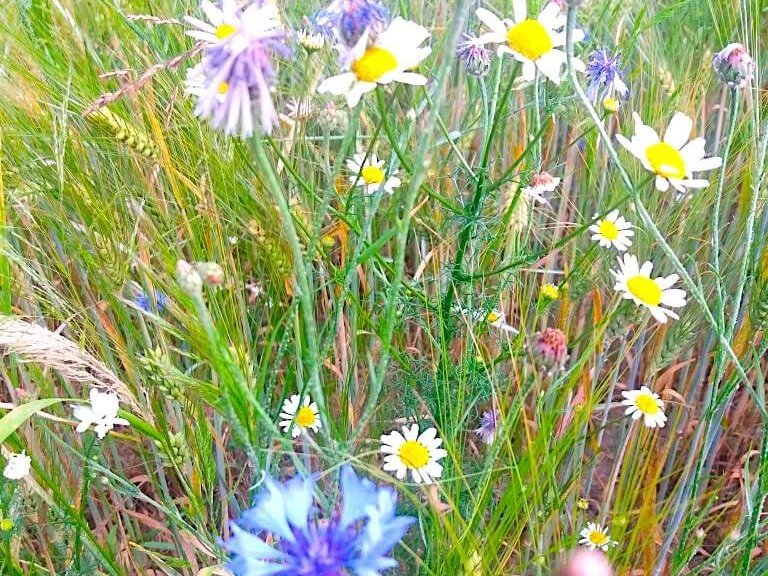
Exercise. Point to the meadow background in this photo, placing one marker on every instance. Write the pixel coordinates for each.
(360, 297)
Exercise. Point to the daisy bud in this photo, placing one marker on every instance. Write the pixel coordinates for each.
(211, 273)
(734, 66)
(189, 279)
(551, 345)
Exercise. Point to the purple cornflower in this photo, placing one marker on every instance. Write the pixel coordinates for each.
(488, 426)
(734, 66)
(474, 55)
(347, 20)
(237, 65)
(356, 539)
(143, 301)
(605, 76)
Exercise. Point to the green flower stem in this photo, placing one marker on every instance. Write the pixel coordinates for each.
(403, 226)
(303, 284)
(749, 257)
(733, 111)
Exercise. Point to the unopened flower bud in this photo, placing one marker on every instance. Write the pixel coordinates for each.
(188, 278)
(734, 66)
(210, 272)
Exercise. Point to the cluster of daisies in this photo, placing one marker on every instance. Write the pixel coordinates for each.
(285, 532)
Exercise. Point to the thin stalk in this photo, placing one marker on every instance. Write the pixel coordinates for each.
(304, 290)
(403, 226)
(733, 112)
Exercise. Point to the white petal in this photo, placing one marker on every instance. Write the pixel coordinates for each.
(662, 184)
(705, 164)
(679, 130)
(411, 78)
(491, 20)
(336, 85)
(519, 10)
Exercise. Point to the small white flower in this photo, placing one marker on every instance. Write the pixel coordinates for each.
(412, 451)
(18, 466)
(370, 174)
(596, 537)
(312, 42)
(222, 22)
(637, 285)
(194, 82)
(646, 404)
(102, 413)
(540, 184)
(388, 59)
(673, 159)
(613, 230)
(300, 109)
(535, 43)
(497, 319)
(299, 416)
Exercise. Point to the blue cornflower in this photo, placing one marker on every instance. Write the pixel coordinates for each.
(143, 301)
(347, 20)
(605, 76)
(354, 540)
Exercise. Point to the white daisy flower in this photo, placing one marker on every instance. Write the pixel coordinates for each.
(101, 414)
(394, 52)
(636, 284)
(299, 416)
(540, 184)
(535, 43)
(596, 537)
(613, 230)
(414, 452)
(222, 22)
(370, 174)
(645, 403)
(497, 319)
(18, 466)
(673, 159)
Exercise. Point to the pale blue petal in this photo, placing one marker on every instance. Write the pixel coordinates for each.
(357, 493)
(251, 556)
(270, 512)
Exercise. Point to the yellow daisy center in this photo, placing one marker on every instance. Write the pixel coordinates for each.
(372, 175)
(492, 317)
(666, 160)
(224, 31)
(598, 538)
(305, 417)
(608, 230)
(647, 404)
(374, 64)
(530, 39)
(645, 290)
(414, 454)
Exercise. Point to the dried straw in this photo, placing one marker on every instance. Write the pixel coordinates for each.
(33, 343)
